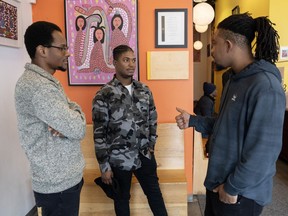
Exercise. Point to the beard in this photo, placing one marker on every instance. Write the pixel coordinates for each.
(219, 67)
(61, 68)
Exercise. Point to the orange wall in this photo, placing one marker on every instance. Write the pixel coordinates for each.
(167, 94)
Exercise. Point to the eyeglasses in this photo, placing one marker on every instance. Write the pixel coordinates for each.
(62, 49)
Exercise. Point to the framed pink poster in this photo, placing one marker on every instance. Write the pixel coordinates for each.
(93, 29)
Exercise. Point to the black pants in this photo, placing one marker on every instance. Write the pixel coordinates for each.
(64, 203)
(147, 177)
(244, 206)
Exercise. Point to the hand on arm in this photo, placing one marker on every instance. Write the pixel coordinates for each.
(55, 132)
(182, 119)
(52, 108)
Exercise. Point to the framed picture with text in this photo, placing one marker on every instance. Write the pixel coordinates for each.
(93, 30)
(171, 28)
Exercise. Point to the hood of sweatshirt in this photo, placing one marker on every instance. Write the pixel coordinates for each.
(258, 67)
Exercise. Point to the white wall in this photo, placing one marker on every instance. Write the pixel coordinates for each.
(202, 69)
(16, 197)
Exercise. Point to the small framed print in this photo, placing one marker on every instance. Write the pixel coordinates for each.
(171, 28)
(283, 55)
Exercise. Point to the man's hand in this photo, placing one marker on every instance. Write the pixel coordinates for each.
(225, 197)
(182, 119)
(107, 177)
(55, 132)
(151, 150)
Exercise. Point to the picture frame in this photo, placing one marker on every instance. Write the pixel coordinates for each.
(10, 23)
(236, 10)
(171, 28)
(93, 30)
(283, 54)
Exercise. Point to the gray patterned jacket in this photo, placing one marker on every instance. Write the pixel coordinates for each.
(56, 162)
(123, 125)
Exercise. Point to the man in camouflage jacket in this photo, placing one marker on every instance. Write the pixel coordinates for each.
(125, 123)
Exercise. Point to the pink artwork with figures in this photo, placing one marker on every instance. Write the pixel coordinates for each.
(94, 28)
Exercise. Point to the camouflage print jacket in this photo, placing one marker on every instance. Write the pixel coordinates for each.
(124, 125)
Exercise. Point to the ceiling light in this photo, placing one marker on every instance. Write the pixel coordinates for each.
(201, 28)
(198, 45)
(203, 14)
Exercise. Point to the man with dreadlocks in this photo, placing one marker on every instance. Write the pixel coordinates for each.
(246, 137)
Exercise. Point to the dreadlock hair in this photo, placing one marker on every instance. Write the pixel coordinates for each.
(117, 51)
(241, 29)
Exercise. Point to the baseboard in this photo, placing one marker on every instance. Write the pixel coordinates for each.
(190, 198)
(32, 212)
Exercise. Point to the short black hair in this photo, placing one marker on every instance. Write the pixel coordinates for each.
(39, 33)
(244, 28)
(117, 51)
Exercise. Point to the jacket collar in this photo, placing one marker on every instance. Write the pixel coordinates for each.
(41, 72)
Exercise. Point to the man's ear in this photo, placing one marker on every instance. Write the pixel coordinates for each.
(114, 62)
(40, 50)
(229, 45)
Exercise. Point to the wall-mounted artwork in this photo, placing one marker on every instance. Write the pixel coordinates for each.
(236, 10)
(94, 29)
(176, 65)
(171, 28)
(283, 54)
(10, 34)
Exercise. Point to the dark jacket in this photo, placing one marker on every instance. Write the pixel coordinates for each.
(205, 106)
(247, 136)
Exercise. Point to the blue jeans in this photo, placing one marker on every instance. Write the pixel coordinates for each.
(65, 203)
(244, 206)
(148, 179)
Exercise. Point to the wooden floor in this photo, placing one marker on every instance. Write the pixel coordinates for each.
(278, 207)
(170, 160)
(172, 182)
(95, 203)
